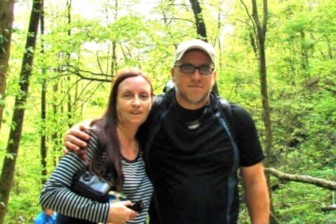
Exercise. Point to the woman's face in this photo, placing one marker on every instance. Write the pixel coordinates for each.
(134, 101)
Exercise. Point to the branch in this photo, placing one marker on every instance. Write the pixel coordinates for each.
(79, 72)
(331, 185)
(329, 208)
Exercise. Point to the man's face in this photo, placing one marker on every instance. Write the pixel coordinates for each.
(193, 88)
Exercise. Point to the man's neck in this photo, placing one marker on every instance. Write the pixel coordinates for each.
(189, 115)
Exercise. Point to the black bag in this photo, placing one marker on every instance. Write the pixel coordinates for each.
(91, 186)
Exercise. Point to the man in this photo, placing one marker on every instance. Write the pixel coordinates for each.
(193, 148)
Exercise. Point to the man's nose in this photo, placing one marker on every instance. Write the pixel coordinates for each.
(196, 74)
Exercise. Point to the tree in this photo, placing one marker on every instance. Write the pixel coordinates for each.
(8, 168)
(258, 38)
(7, 17)
(43, 137)
(200, 25)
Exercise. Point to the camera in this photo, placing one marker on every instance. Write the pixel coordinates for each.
(91, 186)
(95, 183)
(137, 206)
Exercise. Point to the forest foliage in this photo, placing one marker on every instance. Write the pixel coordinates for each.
(84, 43)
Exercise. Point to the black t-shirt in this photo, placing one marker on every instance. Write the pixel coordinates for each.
(193, 164)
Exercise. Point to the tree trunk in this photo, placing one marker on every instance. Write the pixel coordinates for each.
(6, 17)
(8, 168)
(68, 77)
(304, 56)
(114, 64)
(43, 128)
(200, 26)
(260, 32)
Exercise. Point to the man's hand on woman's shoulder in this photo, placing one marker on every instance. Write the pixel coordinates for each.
(77, 137)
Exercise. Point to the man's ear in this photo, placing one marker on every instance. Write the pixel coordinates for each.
(214, 78)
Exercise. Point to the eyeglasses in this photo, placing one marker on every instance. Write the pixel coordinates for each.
(190, 69)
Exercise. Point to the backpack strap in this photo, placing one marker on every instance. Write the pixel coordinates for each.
(225, 108)
(227, 120)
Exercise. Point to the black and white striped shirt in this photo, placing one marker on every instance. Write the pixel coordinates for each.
(58, 196)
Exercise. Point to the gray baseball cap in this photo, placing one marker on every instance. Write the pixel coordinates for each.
(183, 47)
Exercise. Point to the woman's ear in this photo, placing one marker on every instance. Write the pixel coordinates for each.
(172, 72)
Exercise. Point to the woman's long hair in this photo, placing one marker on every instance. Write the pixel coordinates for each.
(107, 159)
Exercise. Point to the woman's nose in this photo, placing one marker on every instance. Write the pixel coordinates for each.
(136, 101)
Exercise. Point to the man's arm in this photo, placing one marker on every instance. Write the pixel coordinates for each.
(77, 136)
(256, 193)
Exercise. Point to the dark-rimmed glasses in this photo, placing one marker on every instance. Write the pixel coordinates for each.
(190, 69)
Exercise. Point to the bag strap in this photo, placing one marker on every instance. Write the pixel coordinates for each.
(226, 110)
(227, 121)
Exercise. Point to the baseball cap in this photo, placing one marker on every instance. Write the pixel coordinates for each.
(183, 47)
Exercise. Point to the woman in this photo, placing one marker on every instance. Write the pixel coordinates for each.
(113, 154)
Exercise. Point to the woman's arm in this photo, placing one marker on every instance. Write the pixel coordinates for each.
(57, 194)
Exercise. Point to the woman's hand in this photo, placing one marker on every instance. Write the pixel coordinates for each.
(119, 213)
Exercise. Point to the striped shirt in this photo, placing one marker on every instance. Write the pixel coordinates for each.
(57, 195)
